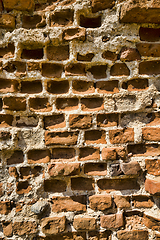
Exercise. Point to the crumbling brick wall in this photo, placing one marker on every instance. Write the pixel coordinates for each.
(80, 119)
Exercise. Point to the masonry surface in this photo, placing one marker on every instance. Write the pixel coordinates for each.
(80, 120)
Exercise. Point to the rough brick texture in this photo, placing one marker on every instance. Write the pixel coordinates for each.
(79, 119)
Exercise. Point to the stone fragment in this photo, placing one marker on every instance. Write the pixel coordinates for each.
(152, 185)
(40, 207)
(131, 168)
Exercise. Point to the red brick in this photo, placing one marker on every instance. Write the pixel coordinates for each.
(54, 121)
(122, 201)
(66, 138)
(29, 172)
(86, 58)
(58, 53)
(100, 202)
(132, 235)
(95, 169)
(153, 166)
(31, 22)
(98, 71)
(136, 85)
(7, 21)
(118, 184)
(13, 172)
(14, 103)
(32, 53)
(64, 169)
(52, 70)
(5, 207)
(80, 121)
(63, 17)
(33, 66)
(154, 119)
(24, 228)
(18, 66)
(98, 5)
(113, 153)
(7, 228)
(149, 34)
(53, 225)
(58, 87)
(89, 153)
(144, 149)
(8, 51)
(38, 156)
(107, 86)
(95, 136)
(149, 49)
(119, 69)
(152, 185)
(74, 33)
(6, 120)
(31, 87)
(107, 120)
(67, 104)
(92, 104)
(129, 54)
(149, 67)
(96, 235)
(121, 135)
(74, 69)
(152, 222)
(151, 134)
(140, 12)
(63, 154)
(69, 204)
(90, 22)
(40, 105)
(80, 183)
(112, 221)
(85, 87)
(142, 201)
(28, 5)
(54, 185)
(84, 223)
(23, 187)
(110, 55)
(16, 157)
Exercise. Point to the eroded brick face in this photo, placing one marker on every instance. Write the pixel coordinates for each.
(79, 120)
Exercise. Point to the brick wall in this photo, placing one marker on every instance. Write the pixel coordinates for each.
(80, 120)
